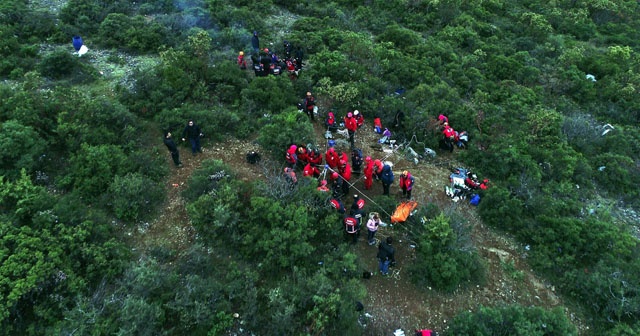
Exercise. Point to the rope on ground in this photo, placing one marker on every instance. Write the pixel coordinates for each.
(360, 192)
(376, 204)
(396, 273)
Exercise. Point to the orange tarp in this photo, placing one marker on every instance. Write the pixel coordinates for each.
(403, 211)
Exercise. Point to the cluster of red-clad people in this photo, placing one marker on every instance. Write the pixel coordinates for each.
(451, 137)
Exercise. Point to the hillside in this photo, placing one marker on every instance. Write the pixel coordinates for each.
(101, 235)
(392, 302)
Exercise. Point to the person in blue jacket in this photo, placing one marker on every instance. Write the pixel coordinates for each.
(387, 179)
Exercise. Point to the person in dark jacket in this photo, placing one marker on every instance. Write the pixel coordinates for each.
(193, 133)
(386, 255)
(352, 227)
(173, 149)
(299, 56)
(255, 42)
(387, 179)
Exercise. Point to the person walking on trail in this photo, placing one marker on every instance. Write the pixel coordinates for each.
(368, 173)
(255, 42)
(386, 255)
(352, 126)
(193, 133)
(351, 227)
(406, 183)
(173, 149)
(372, 227)
(309, 104)
(387, 179)
(292, 156)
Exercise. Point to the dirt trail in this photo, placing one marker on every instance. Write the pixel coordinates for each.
(392, 302)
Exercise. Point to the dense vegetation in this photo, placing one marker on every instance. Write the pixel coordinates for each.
(80, 158)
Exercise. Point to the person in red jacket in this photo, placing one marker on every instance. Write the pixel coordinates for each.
(332, 158)
(358, 117)
(406, 183)
(292, 156)
(377, 168)
(352, 126)
(449, 136)
(314, 157)
(377, 125)
(471, 181)
(303, 155)
(330, 122)
(241, 61)
(345, 172)
(310, 170)
(343, 157)
(484, 185)
(368, 173)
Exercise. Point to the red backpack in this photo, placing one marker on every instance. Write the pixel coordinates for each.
(351, 225)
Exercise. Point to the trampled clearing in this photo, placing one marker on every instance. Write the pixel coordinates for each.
(392, 302)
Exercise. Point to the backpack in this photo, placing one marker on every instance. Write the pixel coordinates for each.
(351, 225)
(475, 199)
(253, 157)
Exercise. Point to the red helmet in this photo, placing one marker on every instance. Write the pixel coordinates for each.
(335, 175)
(368, 158)
(360, 203)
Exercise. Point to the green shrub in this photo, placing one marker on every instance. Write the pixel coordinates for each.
(93, 168)
(289, 127)
(443, 260)
(131, 33)
(58, 64)
(512, 320)
(134, 196)
(20, 147)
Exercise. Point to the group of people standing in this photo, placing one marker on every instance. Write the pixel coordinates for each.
(267, 61)
(191, 132)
